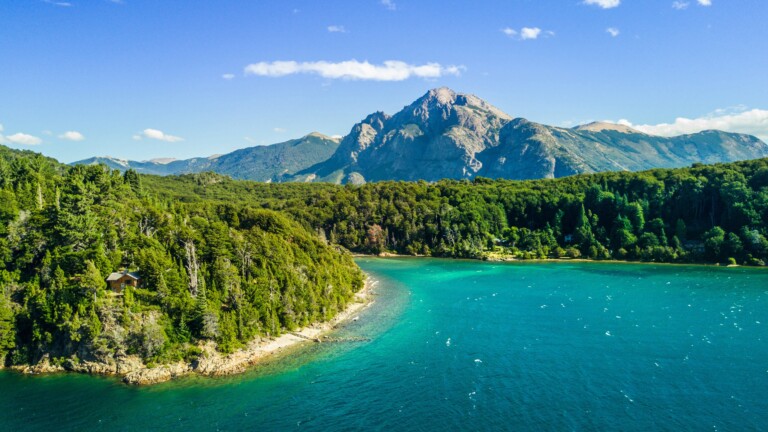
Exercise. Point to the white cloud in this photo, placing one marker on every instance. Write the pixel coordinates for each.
(705, 2)
(279, 130)
(336, 29)
(389, 4)
(391, 70)
(72, 136)
(605, 4)
(23, 139)
(158, 135)
(613, 31)
(680, 5)
(530, 33)
(738, 119)
(136, 137)
(228, 76)
(526, 33)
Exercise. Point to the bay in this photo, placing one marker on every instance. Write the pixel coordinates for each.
(479, 346)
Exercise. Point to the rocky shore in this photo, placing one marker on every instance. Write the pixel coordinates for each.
(210, 362)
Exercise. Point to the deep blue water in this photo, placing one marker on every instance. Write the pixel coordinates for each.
(477, 346)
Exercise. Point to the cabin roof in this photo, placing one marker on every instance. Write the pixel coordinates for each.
(119, 275)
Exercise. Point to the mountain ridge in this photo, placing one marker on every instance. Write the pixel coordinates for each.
(261, 163)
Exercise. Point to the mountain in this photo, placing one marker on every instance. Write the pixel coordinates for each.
(445, 134)
(437, 136)
(260, 163)
(528, 150)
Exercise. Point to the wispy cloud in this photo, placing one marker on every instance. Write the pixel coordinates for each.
(526, 33)
(509, 31)
(613, 31)
(336, 29)
(738, 119)
(605, 4)
(279, 130)
(72, 136)
(58, 3)
(391, 70)
(23, 139)
(682, 4)
(228, 76)
(389, 4)
(157, 135)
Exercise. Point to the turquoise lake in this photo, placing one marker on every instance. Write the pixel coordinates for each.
(465, 345)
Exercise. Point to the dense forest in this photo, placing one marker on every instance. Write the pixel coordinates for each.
(225, 260)
(704, 214)
(208, 272)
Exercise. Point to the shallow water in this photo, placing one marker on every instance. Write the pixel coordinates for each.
(480, 346)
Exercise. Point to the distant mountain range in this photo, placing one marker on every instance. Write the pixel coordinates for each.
(261, 163)
(445, 134)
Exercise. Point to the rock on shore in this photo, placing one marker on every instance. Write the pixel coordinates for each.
(210, 362)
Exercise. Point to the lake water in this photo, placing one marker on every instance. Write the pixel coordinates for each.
(478, 346)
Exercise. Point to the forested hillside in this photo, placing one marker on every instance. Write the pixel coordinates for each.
(208, 272)
(706, 213)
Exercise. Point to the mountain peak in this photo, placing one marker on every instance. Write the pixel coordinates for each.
(445, 100)
(603, 126)
(443, 95)
(319, 135)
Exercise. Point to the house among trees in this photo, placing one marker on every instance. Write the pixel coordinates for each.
(119, 280)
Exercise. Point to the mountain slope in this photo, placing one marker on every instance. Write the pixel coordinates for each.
(260, 163)
(530, 150)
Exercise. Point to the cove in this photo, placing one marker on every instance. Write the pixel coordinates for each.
(471, 345)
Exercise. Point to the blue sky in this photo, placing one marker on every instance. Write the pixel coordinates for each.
(142, 79)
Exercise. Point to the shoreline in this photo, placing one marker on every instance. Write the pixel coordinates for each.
(212, 363)
(557, 260)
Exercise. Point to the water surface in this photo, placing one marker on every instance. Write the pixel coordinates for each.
(480, 346)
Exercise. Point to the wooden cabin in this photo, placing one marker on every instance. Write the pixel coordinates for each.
(119, 280)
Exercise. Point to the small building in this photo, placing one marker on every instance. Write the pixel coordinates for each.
(119, 280)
